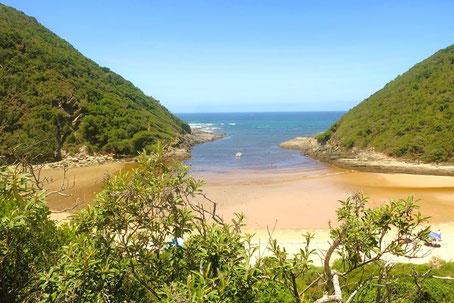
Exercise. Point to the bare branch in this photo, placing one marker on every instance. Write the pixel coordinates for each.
(78, 203)
(337, 297)
(327, 260)
(310, 285)
(63, 186)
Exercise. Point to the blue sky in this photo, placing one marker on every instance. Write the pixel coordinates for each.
(215, 56)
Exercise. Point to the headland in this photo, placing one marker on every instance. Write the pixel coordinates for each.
(364, 160)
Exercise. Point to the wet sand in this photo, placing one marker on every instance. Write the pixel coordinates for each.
(308, 199)
(294, 202)
(296, 199)
(82, 184)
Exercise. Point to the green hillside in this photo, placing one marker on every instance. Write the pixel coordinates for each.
(52, 98)
(411, 117)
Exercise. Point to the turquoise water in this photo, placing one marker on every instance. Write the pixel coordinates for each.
(257, 136)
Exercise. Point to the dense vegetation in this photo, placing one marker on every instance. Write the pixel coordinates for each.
(119, 249)
(52, 98)
(411, 117)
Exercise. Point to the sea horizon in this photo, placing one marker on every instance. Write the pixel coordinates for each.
(264, 112)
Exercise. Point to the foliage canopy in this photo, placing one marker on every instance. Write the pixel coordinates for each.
(411, 117)
(120, 249)
(52, 98)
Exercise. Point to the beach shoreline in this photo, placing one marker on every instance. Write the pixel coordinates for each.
(294, 201)
(85, 173)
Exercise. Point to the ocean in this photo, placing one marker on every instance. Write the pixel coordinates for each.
(257, 136)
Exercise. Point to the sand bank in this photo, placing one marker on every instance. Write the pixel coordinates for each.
(83, 184)
(86, 173)
(306, 200)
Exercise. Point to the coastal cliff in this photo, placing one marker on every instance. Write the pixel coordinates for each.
(406, 127)
(411, 118)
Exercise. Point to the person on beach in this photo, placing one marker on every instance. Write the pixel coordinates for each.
(434, 239)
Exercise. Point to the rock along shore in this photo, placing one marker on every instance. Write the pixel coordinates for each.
(179, 150)
(83, 160)
(363, 160)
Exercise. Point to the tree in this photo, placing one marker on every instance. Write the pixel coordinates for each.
(127, 247)
(28, 238)
(123, 244)
(362, 238)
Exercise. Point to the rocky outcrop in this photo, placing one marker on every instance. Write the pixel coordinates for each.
(181, 149)
(82, 160)
(363, 160)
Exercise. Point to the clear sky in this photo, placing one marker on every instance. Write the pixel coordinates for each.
(215, 56)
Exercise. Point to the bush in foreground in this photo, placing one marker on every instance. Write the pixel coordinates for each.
(118, 249)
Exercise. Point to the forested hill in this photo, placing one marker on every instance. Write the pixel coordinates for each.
(411, 117)
(53, 99)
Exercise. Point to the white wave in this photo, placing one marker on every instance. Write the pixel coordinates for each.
(204, 125)
(210, 129)
(201, 125)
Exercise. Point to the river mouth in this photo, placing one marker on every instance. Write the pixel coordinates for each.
(257, 137)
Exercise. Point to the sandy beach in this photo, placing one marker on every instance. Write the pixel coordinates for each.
(292, 201)
(85, 174)
(82, 184)
(306, 200)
